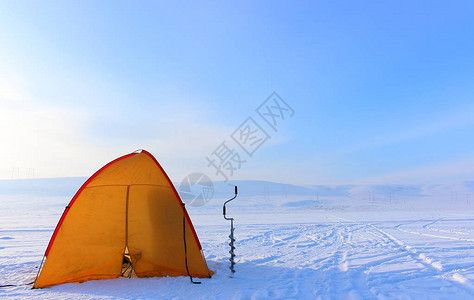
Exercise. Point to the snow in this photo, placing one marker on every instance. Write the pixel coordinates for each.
(346, 242)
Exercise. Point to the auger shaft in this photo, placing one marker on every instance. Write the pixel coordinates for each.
(232, 247)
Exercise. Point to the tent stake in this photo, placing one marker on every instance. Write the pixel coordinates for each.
(231, 236)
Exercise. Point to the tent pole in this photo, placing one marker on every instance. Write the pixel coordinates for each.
(39, 270)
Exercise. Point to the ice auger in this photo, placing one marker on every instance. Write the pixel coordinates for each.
(231, 236)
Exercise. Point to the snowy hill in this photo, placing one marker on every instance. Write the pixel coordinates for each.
(65, 186)
(271, 195)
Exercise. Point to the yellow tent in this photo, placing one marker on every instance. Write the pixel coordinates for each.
(130, 209)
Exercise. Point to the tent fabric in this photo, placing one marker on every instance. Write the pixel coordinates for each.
(128, 204)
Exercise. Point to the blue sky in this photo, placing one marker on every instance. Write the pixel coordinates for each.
(382, 91)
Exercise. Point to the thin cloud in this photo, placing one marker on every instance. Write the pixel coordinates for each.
(462, 117)
(457, 170)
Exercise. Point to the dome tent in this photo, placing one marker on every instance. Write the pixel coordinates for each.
(128, 209)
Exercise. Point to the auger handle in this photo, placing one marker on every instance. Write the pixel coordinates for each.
(223, 207)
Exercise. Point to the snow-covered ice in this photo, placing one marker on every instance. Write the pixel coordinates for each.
(351, 242)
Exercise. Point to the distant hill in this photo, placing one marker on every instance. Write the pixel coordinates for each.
(270, 195)
(64, 186)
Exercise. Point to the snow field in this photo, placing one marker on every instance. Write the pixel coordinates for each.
(336, 257)
(302, 251)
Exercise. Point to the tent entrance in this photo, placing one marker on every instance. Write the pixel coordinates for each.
(127, 266)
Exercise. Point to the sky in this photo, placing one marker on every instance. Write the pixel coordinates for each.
(376, 92)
